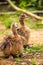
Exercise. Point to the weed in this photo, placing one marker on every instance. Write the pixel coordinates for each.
(18, 59)
(34, 61)
(34, 49)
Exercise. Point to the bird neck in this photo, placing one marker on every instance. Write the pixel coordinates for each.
(15, 33)
(17, 37)
(22, 21)
(22, 25)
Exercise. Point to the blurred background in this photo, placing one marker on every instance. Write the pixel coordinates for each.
(25, 4)
(8, 15)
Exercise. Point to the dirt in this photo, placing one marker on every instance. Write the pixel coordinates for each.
(31, 59)
(2, 27)
(36, 37)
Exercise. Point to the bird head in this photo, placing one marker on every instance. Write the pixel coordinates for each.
(23, 16)
(14, 27)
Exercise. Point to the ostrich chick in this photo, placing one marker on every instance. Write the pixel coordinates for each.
(12, 44)
(23, 30)
(17, 46)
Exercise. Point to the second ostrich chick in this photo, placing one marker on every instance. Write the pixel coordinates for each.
(23, 30)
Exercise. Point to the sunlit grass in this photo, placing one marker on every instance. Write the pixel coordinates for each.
(34, 49)
(18, 59)
(4, 32)
(34, 61)
(8, 19)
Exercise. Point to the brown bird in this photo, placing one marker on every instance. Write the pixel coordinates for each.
(17, 45)
(12, 44)
(23, 30)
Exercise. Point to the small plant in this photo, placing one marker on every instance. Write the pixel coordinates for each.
(34, 61)
(26, 50)
(18, 59)
(7, 23)
(34, 49)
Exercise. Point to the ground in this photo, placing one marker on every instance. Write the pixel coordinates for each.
(36, 36)
(29, 59)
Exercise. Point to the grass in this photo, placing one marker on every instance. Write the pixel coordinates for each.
(34, 49)
(8, 19)
(18, 59)
(34, 61)
(5, 31)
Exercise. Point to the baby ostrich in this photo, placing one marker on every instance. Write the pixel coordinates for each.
(17, 46)
(23, 31)
(12, 44)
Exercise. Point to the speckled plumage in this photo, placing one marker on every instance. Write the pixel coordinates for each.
(12, 44)
(23, 31)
